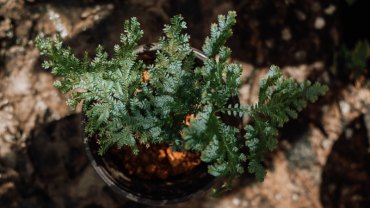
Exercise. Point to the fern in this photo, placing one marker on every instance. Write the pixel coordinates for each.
(108, 85)
(348, 64)
(280, 99)
(128, 102)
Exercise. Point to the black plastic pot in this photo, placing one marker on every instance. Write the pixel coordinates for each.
(149, 192)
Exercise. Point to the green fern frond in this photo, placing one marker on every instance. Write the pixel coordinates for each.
(280, 99)
(220, 32)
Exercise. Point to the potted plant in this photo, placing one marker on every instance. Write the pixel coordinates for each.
(163, 121)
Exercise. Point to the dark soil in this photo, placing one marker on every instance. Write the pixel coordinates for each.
(156, 162)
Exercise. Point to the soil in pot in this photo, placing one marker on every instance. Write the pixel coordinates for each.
(156, 162)
(157, 175)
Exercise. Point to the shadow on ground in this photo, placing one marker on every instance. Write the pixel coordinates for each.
(346, 175)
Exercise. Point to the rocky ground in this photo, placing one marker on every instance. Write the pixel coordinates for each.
(323, 158)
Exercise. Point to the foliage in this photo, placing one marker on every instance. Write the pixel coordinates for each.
(351, 64)
(280, 99)
(351, 2)
(123, 108)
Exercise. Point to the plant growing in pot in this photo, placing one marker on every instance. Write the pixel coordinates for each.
(163, 120)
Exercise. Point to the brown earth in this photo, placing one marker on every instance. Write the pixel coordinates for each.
(322, 159)
(158, 162)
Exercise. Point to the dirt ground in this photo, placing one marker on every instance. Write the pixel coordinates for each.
(323, 157)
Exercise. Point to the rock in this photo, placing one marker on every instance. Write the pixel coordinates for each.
(319, 23)
(300, 15)
(330, 9)
(236, 201)
(286, 34)
(302, 155)
(59, 22)
(344, 107)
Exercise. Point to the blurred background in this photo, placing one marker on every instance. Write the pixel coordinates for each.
(323, 157)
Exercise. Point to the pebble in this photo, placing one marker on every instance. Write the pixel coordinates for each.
(269, 43)
(344, 107)
(349, 133)
(326, 144)
(236, 201)
(330, 9)
(40, 105)
(286, 34)
(9, 138)
(6, 187)
(300, 15)
(278, 196)
(58, 23)
(319, 23)
(90, 12)
(295, 197)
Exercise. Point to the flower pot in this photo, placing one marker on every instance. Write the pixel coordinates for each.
(150, 191)
(145, 191)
